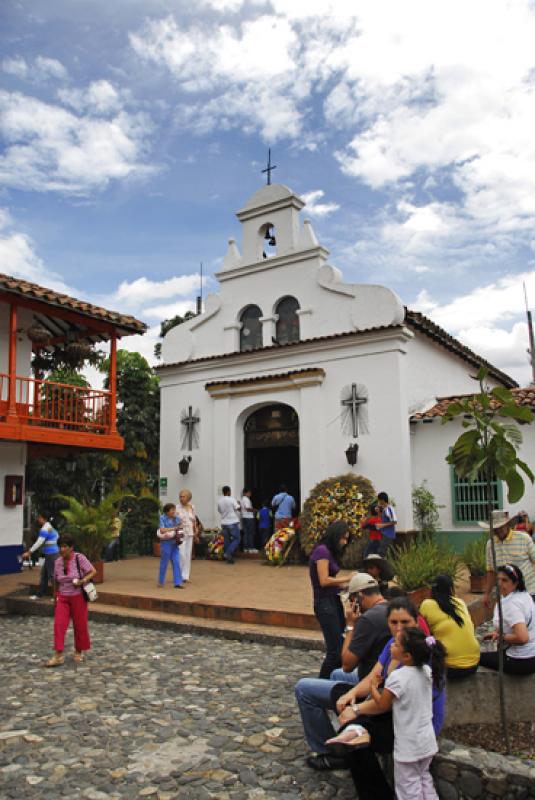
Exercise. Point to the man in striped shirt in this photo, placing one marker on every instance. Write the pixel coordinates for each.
(512, 547)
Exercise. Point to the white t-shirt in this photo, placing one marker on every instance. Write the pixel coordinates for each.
(414, 737)
(227, 507)
(518, 607)
(246, 508)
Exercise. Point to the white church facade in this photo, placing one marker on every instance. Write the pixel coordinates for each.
(288, 366)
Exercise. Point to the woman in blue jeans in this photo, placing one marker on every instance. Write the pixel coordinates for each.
(168, 534)
(326, 585)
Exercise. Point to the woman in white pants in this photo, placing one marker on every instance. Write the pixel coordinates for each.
(186, 511)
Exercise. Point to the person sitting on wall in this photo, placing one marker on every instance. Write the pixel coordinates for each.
(379, 568)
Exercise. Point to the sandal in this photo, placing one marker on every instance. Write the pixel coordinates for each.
(78, 658)
(353, 736)
(55, 661)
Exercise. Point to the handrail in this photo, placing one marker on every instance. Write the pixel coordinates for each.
(58, 405)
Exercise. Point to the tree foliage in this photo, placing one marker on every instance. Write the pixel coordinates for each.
(166, 325)
(425, 509)
(489, 443)
(138, 422)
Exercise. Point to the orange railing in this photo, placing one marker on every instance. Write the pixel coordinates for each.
(57, 405)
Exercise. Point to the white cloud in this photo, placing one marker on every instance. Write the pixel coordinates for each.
(19, 258)
(249, 72)
(100, 97)
(168, 310)
(43, 68)
(50, 67)
(143, 290)
(315, 208)
(16, 66)
(495, 302)
(51, 149)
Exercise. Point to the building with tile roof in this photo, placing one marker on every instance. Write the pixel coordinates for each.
(44, 415)
(288, 367)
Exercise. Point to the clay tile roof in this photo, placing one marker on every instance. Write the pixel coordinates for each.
(523, 397)
(124, 323)
(269, 378)
(424, 325)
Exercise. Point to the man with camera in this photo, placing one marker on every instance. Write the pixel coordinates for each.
(365, 636)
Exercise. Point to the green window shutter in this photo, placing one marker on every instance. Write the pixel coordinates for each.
(469, 498)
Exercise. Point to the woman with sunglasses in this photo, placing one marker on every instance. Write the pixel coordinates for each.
(518, 625)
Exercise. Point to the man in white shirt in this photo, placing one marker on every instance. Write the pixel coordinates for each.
(228, 508)
(247, 522)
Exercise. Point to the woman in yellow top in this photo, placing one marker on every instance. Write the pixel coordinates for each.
(450, 622)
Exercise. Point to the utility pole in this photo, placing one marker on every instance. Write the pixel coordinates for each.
(531, 349)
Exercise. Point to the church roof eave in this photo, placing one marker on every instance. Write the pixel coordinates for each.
(523, 397)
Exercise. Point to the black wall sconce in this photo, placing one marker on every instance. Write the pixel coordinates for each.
(183, 465)
(352, 454)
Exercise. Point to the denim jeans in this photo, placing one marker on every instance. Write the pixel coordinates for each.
(313, 697)
(248, 533)
(352, 677)
(330, 615)
(112, 550)
(169, 553)
(231, 534)
(373, 546)
(47, 573)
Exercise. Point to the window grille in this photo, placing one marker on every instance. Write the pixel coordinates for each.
(470, 497)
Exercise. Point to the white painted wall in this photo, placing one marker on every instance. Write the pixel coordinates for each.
(430, 444)
(12, 462)
(384, 454)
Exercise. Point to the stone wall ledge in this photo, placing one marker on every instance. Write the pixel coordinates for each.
(476, 699)
(471, 773)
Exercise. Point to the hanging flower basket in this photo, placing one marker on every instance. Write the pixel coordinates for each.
(38, 334)
(79, 349)
(346, 497)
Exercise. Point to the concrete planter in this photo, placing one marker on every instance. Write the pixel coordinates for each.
(156, 549)
(99, 577)
(417, 596)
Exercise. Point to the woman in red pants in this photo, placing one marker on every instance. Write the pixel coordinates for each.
(71, 572)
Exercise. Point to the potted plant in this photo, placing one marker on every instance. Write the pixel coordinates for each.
(418, 562)
(474, 556)
(91, 527)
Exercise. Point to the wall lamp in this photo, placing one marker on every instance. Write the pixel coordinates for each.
(352, 453)
(183, 465)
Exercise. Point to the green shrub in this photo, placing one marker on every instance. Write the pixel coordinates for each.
(474, 556)
(425, 509)
(417, 563)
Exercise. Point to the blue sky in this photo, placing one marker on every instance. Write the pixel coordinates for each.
(132, 131)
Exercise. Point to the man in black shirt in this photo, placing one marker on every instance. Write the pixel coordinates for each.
(365, 636)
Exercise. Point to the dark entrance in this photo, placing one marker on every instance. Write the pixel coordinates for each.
(272, 452)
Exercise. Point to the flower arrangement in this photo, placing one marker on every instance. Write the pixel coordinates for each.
(279, 545)
(216, 547)
(347, 497)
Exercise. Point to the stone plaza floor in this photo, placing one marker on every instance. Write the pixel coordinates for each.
(153, 714)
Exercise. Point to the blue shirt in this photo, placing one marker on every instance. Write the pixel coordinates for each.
(389, 515)
(284, 505)
(439, 695)
(264, 517)
(51, 536)
(168, 522)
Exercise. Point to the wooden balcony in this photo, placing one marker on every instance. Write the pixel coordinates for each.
(35, 410)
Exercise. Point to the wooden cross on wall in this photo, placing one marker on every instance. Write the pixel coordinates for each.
(190, 420)
(354, 403)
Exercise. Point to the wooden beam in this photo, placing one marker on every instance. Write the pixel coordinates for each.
(12, 363)
(77, 317)
(113, 384)
(20, 432)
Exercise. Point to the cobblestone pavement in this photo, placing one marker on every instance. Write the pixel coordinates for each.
(156, 715)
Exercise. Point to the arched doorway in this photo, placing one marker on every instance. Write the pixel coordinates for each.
(272, 452)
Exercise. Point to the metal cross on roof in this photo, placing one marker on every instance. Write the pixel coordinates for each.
(269, 169)
(190, 421)
(354, 403)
